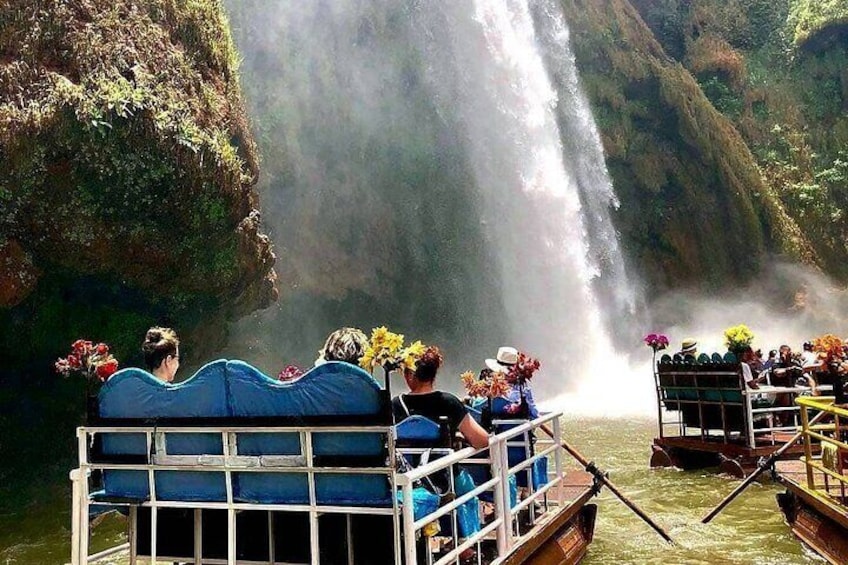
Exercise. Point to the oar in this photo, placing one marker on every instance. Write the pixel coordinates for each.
(602, 477)
(765, 464)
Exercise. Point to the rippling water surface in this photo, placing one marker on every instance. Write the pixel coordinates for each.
(34, 526)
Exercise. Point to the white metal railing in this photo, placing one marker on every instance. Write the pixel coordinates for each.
(503, 532)
(761, 423)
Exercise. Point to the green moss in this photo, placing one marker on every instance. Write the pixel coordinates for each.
(128, 166)
(810, 19)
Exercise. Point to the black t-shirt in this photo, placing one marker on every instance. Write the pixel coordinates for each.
(431, 405)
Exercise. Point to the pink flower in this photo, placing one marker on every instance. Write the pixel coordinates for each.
(656, 341)
(290, 373)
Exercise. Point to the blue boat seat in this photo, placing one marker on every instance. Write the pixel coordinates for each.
(239, 393)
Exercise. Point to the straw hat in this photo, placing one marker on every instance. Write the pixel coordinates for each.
(689, 346)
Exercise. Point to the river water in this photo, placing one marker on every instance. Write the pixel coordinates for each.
(34, 522)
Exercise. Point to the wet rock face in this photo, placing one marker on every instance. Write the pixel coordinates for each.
(127, 165)
(695, 210)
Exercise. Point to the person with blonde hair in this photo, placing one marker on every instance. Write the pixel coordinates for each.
(344, 344)
(161, 350)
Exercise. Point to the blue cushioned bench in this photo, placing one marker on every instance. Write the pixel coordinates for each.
(234, 393)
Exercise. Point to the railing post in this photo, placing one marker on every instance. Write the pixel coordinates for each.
(501, 495)
(749, 416)
(76, 490)
(409, 553)
(808, 453)
(558, 460)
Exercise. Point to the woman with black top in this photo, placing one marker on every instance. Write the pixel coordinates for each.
(424, 400)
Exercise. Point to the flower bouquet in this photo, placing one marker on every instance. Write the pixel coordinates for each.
(488, 386)
(385, 349)
(94, 362)
(657, 342)
(737, 338)
(290, 373)
(830, 347)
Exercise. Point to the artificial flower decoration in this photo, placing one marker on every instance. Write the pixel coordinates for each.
(490, 385)
(656, 342)
(93, 361)
(385, 349)
(290, 373)
(522, 372)
(830, 346)
(738, 337)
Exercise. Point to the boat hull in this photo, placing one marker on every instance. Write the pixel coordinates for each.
(820, 523)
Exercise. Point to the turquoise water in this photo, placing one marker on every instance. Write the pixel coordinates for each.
(34, 519)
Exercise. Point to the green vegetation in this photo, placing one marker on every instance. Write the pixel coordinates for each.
(128, 167)
(775, 69)
(680, 168)
(811, 19)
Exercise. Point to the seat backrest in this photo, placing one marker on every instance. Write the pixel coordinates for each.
(136, 395)
(326, 395)
(332, 394)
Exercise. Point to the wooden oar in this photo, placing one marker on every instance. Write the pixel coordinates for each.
(764, 464)
(602, 477)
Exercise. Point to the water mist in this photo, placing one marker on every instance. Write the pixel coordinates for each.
(485, 93)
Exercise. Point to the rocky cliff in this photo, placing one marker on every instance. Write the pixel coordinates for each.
(726, 130)
(695, 208)
(127, 181)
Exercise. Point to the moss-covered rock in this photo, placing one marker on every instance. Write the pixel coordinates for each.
(816, 22)
(694, 207)
(790, 104)
(126, 185)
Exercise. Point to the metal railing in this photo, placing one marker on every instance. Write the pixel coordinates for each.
(765, 412)
(831, 464)
(502, 532)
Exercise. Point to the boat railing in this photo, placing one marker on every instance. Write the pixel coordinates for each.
(826, 470)
(718, 405)
(509, 526)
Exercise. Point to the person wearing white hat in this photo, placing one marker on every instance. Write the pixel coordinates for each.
(506, 358)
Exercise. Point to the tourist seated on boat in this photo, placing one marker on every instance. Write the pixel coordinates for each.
(344, 344)
(688, 347)
(517, 396)
(161, 350)
(424, 399)
(772, 359)
(747, 358)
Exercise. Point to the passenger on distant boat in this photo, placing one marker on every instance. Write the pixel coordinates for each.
(344, 344)
(747, 359)
(424, 400)
(161, 350)
(689, 346)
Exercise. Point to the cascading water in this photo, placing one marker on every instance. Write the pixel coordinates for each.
(503, 99)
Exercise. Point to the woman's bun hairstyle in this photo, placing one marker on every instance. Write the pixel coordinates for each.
(428, 364)
(158, 344)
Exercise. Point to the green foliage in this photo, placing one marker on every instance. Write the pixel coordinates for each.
(721, 95)
(809, 18)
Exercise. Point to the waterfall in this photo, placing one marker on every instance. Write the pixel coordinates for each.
(494, 85)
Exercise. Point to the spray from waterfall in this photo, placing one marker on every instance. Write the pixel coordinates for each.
(487, 94)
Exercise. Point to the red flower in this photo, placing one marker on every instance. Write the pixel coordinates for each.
(101, 349)
(74, 361)
(62, 366)
(81, 347)
(107, 369)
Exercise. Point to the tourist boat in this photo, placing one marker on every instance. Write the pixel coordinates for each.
(708, 417)
(233, 467)
(815, 503)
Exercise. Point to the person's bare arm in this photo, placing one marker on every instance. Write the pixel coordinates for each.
(473, 432)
